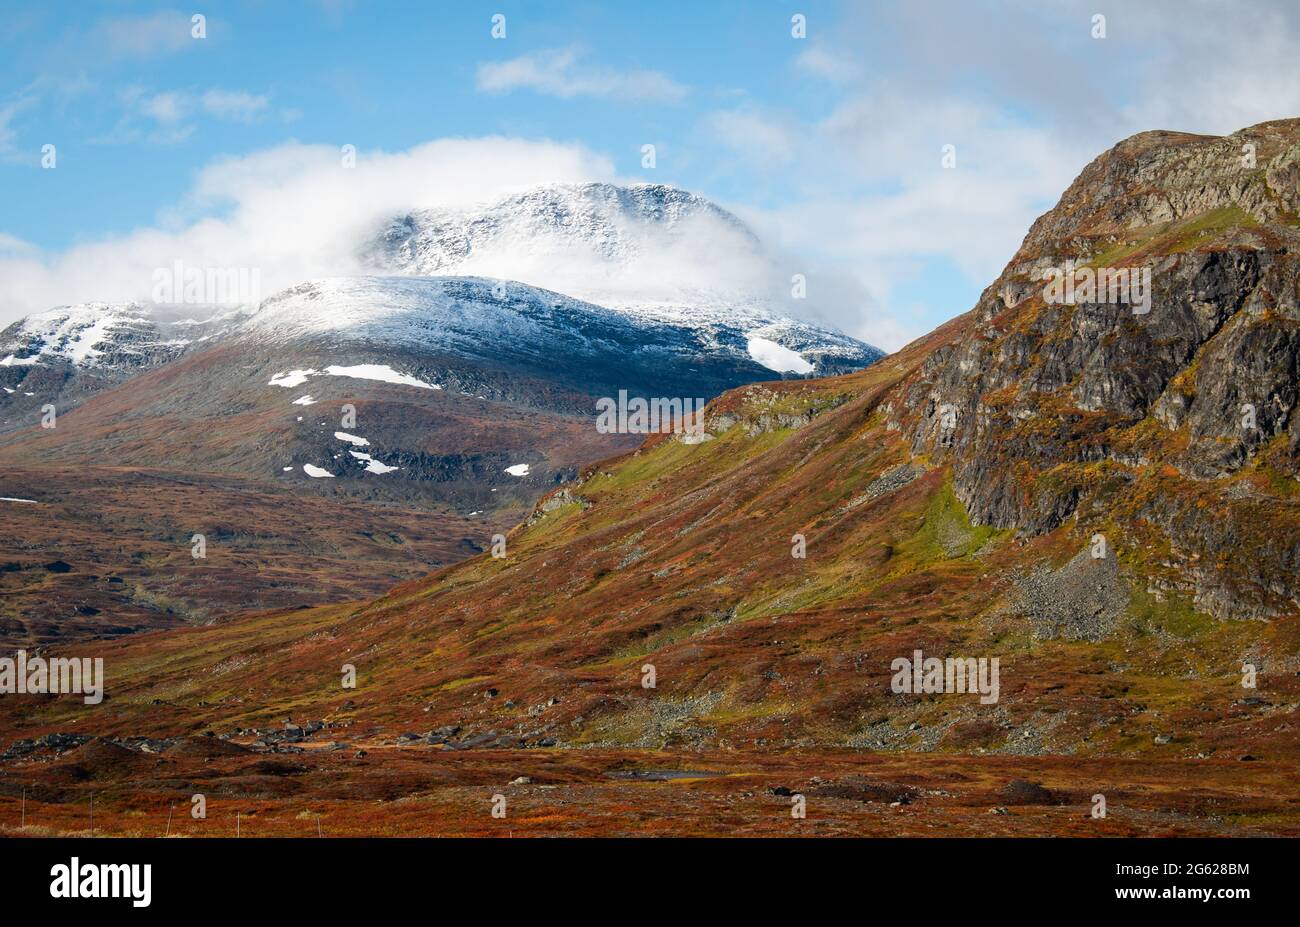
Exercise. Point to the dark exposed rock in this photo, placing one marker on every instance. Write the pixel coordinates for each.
(1046, 410)
(57, 742)
(864, 790)
(1023, 792)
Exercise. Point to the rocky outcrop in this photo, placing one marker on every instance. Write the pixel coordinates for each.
(761, 408)
(1048, 406)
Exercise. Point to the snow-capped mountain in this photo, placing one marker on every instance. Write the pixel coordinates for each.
(99, 335)
(505, 321)
(610, 223)
(593, 285)
(338, 414)
(67, 354)
(647, 249)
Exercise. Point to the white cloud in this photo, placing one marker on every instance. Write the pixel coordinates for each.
(167, 108)
(14, 245)
(756, 135)
(870, 203)
(560, 72)
(292, 212)
(821, 62)
(1214, 75)
(237, 107)
(9, 110)
(168, 117)
(164, 32)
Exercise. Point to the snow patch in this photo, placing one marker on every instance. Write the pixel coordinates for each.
(12, 499)
(291, 379)
(518, 470)
(777, 357)
(11, 361)
(352, 439)
(318, 472)
(380, 372)
(304, 400)
(372, 465)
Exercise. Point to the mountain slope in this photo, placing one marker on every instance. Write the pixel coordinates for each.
(679, 555)
(1034, 482)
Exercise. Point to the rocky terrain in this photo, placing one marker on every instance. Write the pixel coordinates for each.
(1094, 412)
(687, 635)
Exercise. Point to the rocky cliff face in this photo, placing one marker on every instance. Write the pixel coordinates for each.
(1050, 410)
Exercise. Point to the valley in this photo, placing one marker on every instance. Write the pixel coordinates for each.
(685, 634)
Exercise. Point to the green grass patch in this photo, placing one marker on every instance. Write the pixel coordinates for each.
(461, 683)
(1174, 615)
(946, 533)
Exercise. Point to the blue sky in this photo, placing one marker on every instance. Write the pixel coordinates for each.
(830, 145)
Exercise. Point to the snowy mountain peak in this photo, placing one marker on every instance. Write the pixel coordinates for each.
(584, 276)
(607, 220)
(651, 249)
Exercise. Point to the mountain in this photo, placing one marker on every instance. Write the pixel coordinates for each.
(643, 246)
(447, 346)
(606, 224)
(642, 260)
(515, 325)
(368, 403)
(1175, 424)
(650, 251)
(66, 354)
(1069, 487)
